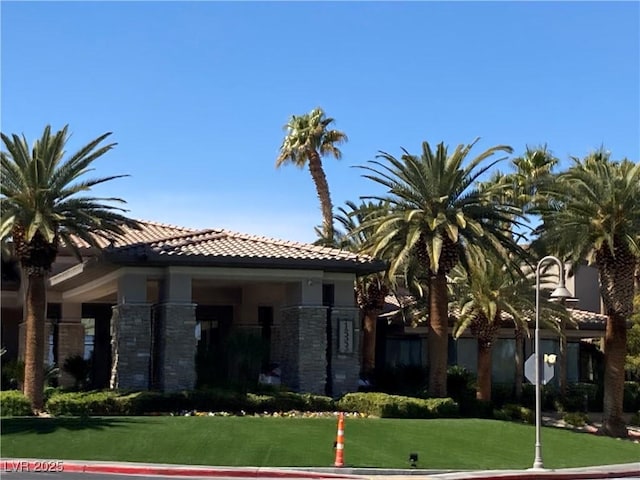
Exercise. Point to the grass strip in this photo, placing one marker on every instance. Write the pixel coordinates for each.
(279, 442)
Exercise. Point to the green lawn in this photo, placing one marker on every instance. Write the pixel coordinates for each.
(273, 442)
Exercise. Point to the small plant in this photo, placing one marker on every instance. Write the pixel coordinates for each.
(79, 369)
(12, 375)
(575, 419)
(51, 376)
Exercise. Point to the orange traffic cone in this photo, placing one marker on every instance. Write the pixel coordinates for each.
(340, 442)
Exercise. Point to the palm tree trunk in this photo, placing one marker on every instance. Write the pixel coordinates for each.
(615, 341)
(483, 391)
(519, 364)
(616, 280)
(35, 314)
(438, 335)
(322, 188)
(370, 317)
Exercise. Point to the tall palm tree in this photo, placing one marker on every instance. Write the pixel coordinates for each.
(487, 296)
(434, 211)
(42, 208)
(594, 214)
(531, 171)
(308, 139)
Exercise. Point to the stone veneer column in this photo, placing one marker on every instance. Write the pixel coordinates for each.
(303, 341)
(345, 366)
(130, 346)
(176, 346)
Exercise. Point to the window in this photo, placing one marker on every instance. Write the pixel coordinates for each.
(503, 356)
(89, 335)
(404, 351)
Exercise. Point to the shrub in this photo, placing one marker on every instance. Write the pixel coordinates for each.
(576, 419)
(461, 387)
(502, 394)
(79, 369)
(317, 403)
(516, 413)
(212, 400)
(12, 374)
(394, 406)
(14, 404)
(635, 419)
(141, 403)
(580, 397)
(87, 403)
(217, 400)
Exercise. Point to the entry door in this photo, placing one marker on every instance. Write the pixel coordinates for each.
(215, 324)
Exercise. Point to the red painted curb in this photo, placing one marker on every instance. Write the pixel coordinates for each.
(52, 466)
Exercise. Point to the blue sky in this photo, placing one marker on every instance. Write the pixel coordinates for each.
(196, 93)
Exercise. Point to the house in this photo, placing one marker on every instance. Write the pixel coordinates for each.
(148, 303)
(402, 340)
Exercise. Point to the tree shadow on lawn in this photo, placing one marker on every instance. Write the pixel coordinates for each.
(40, 425)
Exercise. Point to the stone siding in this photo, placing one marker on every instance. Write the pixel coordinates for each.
(131, 346)
(303, 347)
(175, 346)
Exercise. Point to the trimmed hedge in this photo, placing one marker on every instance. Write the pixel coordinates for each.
(395, 406)
(145, 403)
(14, 404)
(86, 403)
(513, 412)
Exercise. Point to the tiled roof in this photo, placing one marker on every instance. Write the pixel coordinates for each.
(394, 305)
(148, 232)
(157, 243)
(585, 317)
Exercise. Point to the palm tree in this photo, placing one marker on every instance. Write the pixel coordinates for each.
(42, 208)
(308, 139)
(531, 172)
(486, 297)
(434, 212)
(594, 214)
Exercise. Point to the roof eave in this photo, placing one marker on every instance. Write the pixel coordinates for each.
(330, 265)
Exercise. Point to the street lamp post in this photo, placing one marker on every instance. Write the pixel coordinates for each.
(559, 293)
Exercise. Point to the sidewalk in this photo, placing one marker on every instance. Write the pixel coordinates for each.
(631, 470)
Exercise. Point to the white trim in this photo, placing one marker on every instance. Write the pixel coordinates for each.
(102, 281)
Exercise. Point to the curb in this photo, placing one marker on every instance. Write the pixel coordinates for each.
(616, 471)
(124, 468)
(57, 466)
